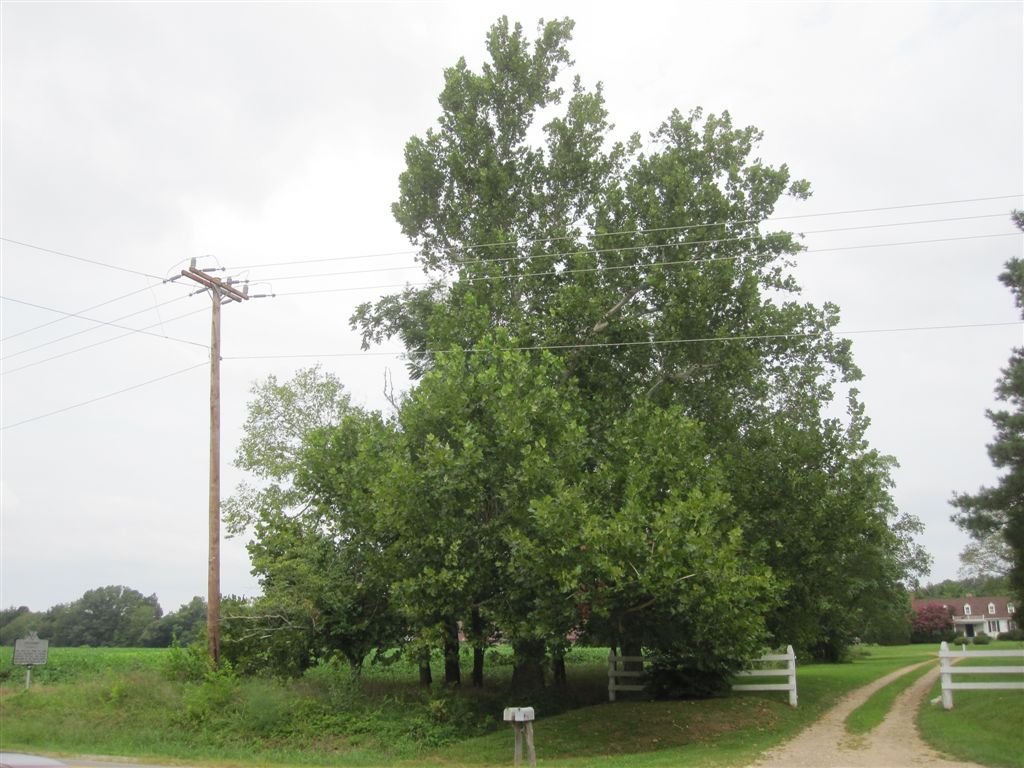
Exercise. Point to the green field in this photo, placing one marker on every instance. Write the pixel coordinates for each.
(135, 703)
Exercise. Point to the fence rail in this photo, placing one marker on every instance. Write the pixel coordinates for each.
(614, 673)
(947, 670)
(789, 672)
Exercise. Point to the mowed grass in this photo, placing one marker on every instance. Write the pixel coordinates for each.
(118, 702)
(985, 727)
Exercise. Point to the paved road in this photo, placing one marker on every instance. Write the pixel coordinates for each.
(19, 760)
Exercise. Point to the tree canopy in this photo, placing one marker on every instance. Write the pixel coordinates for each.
(995, 514)
(619, 429)
(114, 615)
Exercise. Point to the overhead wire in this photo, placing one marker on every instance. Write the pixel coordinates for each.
(652, 342)
(609, 344)
(103, 397)
(75, 314)
(81, 258)
(131, 332)
(583, 345)
(629, 248)
(148, 287)
(618, 267)
(549, 273)
(680, 228)
(99, 324)
(103, 322)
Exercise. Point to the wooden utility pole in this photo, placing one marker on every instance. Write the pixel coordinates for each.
(220, 292)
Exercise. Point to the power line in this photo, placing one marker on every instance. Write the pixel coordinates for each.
(105, 322)
(76, 314)
(538, 347)
(89, 330)
(735, 222)
(131, 332)
(103, 397)
(646, 343)
(621, 249)
(651, 264)
(81, 258)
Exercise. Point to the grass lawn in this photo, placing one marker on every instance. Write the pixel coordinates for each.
(122, 702)
(718, 732)
(985, 727)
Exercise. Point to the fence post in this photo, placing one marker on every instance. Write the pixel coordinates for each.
(791, 668)
(947, 675)
(611, 675)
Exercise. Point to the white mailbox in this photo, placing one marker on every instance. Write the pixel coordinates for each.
(521, 719)
(519, 714)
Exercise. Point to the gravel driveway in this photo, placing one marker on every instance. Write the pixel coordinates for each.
(895, 743)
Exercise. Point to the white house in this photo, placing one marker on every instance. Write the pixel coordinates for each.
(976, 615)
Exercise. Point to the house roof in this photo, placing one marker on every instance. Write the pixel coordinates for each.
(979, 606)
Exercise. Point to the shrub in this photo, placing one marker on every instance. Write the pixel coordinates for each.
(930, 624)
(188, 664)
(215, 698)
(1013, 634)
(982, 640)
(961, 640)
(674, 677)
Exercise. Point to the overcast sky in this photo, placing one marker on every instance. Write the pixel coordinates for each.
(141, 135)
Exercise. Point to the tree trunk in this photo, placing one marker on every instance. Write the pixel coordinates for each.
(426, 679)
(558, 675)
(528, 672)
(632, 648)
(478, 667)
(452, 670)
(477, 629)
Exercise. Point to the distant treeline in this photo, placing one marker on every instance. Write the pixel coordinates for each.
(107, 616)
(976, 585)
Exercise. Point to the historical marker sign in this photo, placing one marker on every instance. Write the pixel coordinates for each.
(31, 651)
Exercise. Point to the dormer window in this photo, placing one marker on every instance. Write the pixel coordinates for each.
(992, 609)
(967, 610)
(1009, 607)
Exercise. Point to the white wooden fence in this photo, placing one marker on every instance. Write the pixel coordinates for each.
(771, 671)
(771, 659)
(614, 673)
(947, 670)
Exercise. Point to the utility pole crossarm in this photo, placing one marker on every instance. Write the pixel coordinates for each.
(214, 284)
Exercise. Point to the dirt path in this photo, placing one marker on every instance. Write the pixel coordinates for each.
(893, 744)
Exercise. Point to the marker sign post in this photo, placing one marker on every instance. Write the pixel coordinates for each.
(30, 652)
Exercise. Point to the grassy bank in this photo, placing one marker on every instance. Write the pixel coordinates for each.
(126, 702)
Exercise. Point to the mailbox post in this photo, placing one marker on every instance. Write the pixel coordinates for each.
(522, 720)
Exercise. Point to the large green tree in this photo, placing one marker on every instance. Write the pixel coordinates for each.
(316, 544)
(649, 270)
(106, 616)
(488, 435)
(999, 509)
(618, 428)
